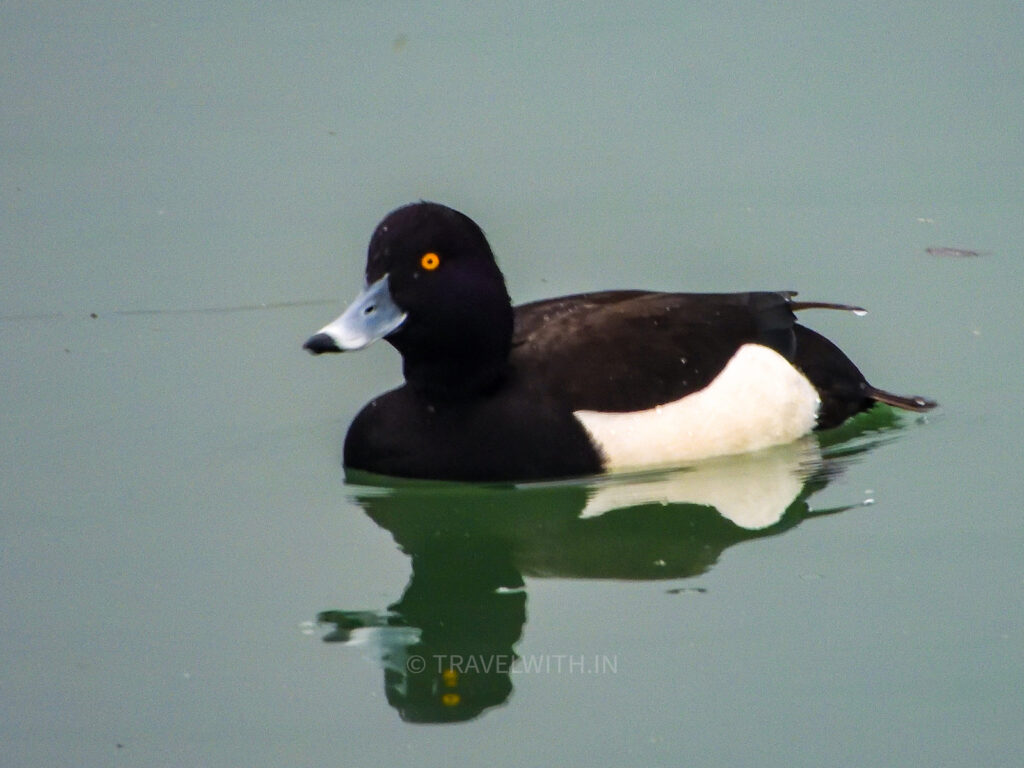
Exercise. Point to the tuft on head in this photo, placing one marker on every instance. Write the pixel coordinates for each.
(904, 402)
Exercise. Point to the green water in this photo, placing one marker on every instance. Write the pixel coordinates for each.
(189, 579)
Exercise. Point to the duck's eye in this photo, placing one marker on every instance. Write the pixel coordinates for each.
(430, 261)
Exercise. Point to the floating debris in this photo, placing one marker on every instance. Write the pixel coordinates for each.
(954, 253)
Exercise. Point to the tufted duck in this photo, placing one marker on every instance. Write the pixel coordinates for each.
(574, 385)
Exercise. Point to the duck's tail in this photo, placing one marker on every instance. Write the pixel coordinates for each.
(907, 403)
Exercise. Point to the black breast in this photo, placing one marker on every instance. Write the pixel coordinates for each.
(511, 434)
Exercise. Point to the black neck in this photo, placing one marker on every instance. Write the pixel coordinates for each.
(449, 379)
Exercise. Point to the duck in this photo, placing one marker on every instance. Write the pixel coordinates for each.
(577, 385)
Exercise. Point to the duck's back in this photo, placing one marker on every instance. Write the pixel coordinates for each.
(622, 351)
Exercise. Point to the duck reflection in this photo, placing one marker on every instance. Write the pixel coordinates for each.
(447, 645)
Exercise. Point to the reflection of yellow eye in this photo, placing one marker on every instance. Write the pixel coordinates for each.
(430, 261)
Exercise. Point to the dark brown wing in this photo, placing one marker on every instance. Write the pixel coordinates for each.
(633, 350)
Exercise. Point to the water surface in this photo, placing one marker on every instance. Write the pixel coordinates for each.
(188, 577)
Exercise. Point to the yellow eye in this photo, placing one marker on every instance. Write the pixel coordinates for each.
(430, 261)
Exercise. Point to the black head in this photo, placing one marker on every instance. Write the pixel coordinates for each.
(432, 276)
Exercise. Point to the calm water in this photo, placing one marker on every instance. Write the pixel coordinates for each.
(189, 579)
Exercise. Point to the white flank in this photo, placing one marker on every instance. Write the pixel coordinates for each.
(758, 400)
